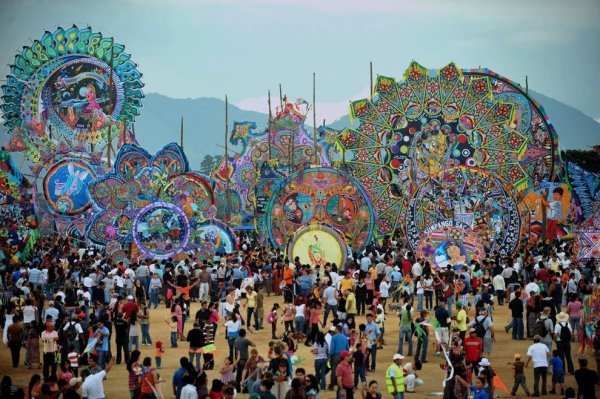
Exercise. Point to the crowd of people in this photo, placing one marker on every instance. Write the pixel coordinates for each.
(75, 313)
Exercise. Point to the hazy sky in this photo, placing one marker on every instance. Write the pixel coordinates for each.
(203, 48)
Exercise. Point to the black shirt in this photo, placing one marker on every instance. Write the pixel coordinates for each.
(516, 308)
(195, 337)
(586, 386)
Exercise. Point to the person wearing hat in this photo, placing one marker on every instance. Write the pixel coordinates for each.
(519, 367)
(563, 334)
(345, 376)
(486, 324)
(538, 354)
(394, 377)
(129, 306)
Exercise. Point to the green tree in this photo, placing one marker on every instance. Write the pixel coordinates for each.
(209, 163)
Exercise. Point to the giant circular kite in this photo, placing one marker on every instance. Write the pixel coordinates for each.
(72, 86)
(161, 230)
(317, 245)
(471, 197)
(212, 237)
(65, 186)
(434, 120)
(320, 196)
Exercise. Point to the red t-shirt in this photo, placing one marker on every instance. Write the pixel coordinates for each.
(344, 370)
(473, 348)
(129, 307)
(543, 275)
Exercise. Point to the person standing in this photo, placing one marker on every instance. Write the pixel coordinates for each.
(563, 335)
(92, 387)
(15, 334)
(103, 336)
(538, 354)
(394, 377)
(585, 380)
(122, 338)
(345, 377)
(406, 318)
(339, 344)
(442, 317)
(241, 348)
(516, 309)
(373, 336)
(49, 345)
(461, 320)
(330, 300)
(500, 288)
(473, 346)
(250, 306)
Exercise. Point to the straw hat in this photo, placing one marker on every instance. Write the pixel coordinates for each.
(562, 317)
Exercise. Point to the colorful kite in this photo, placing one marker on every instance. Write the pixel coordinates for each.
(434, 120)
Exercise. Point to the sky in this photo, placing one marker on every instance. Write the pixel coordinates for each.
(243, 48)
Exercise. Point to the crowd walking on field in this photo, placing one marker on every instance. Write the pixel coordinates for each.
(71, 313)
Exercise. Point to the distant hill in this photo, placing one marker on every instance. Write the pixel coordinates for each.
(575, 129)
(204, 124)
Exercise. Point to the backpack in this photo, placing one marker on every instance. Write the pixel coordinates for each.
(71, 332)
(540, 328)
(479, 327)
(270, 317)
(565, 333)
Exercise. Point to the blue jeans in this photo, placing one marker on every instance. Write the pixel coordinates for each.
(321, 372)
(146, 334)
(449, 303)
(399, 395)
(421, 352)
(144, 282)
(102, 359)
(174, 339)
(420, 303)
(157, 360)
(154, 297)
(329, 308)
(517, 328)
(134, 341)
(359, 372)
(405, 333)
(300, 324)
(373, 356)
(196, 355)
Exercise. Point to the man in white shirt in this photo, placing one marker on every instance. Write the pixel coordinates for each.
(92, 387)
(538, 354)
(499, 287)
(532, 287)
(417, 269)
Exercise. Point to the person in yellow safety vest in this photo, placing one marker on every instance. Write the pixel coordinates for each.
(394, 377)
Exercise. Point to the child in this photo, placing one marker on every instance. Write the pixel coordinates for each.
(359, 366)
(73, 357)
(272, 318)
(216, 390)
(477, 388)
(173, 328)
(487, 373)
(271, 354)
(159, 353)
(380, 320)
(519, 366)
(558, 373)
(227, 371)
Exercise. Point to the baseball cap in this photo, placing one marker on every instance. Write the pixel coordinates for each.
(332, 328)
(398, 356)
(472, 330)
(130, 297)
(345, 354)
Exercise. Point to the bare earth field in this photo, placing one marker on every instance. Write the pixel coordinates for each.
(116, 383)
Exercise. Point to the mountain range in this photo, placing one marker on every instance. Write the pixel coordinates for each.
(160, 117)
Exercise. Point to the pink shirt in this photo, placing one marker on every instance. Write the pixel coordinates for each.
(574, 309)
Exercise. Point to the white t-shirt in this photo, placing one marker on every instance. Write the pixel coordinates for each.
(559, 326)
(532, 287)
(420, 287)
(233, 326)
(539, 354)
(300, 310)
(92, 387)
(29, 314)
(384, 289)
(189, 392)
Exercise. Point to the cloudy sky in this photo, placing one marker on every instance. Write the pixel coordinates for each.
(209, 48)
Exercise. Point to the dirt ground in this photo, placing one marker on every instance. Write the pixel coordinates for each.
(116, 383)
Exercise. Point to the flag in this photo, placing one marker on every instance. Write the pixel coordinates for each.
(210, 348)
(91, 345)
(498, 383)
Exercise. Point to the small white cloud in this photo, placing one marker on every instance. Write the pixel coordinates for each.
(330, 111)
(597, 120)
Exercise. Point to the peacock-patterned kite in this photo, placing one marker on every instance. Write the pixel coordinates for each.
(434, 120)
